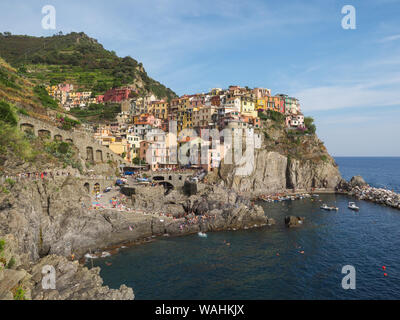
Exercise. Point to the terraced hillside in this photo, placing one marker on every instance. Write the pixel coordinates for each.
(79, 59)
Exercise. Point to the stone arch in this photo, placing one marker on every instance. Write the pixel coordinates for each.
(58, 137)
(170, 178)
(158, 178)
(44, 134)
(167, 186)
(87, 186)
(180, 178)
(89, 154)
(69, 140)
(99, 155)
(27, 127)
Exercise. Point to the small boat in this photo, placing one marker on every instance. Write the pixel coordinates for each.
(202, 234)
(352, 206)
(326, 207)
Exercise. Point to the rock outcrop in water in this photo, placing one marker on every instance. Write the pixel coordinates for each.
(357, 181)
(293, 222)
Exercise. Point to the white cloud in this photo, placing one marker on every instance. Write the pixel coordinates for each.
(338, 97)
(391, 38)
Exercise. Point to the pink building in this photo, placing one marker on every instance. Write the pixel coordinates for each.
(100, 99)
(66, 87)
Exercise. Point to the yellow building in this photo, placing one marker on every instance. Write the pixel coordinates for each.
(120, 147)
(184, 113)
(159, 109)
(248, 107)
(261, 104)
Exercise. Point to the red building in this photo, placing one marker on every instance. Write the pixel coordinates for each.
(144, 146)
(216, 101)
(100, 99)
(117, 95)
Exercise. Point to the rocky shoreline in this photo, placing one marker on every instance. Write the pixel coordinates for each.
(377, 195)
(48, 222)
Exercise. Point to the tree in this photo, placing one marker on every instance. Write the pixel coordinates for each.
(309, 123)
(7, 114)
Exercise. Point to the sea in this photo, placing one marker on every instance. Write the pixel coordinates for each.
(276, 262)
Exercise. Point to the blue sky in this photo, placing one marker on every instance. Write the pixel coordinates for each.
(348, 80)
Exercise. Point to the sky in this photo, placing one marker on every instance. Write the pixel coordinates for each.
(347, 79)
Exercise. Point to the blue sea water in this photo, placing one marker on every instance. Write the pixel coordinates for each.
(268, 263)
(383, 172)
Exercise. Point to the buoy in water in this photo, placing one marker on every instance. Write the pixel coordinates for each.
(383, 267)
(385, 274)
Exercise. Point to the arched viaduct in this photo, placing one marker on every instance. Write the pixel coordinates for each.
(176, 179)
(89, 148)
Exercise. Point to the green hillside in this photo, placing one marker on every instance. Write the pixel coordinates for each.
(77, 58)
(16, 89)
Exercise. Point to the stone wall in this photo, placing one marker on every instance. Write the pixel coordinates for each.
(89, 148)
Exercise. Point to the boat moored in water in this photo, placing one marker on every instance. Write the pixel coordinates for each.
(326, 207)
(353, 206)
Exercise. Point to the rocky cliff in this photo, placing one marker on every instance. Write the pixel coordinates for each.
(286, 160)
(45, 222)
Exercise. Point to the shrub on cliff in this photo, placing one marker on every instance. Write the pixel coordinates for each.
(19, 294)
(45, 99)
(67, 123)
(14, 141)
(64, 152)
(273, 115)
(7, 113)
(309, 123)
(2, 245)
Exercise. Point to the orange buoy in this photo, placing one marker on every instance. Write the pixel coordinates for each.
(383, 267)
(385, 274)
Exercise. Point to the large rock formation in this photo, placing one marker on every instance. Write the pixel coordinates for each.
(46, 221)
(357, 181)
(294, 222)
(284, 162)
(72, 280)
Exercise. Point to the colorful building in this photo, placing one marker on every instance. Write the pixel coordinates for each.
(117, 95)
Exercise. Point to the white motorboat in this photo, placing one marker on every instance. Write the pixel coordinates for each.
(202, 234)
(352, 206)
(326, 207)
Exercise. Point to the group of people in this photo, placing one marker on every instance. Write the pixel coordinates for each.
(196, 219)
(38, 175)
(49, 174)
